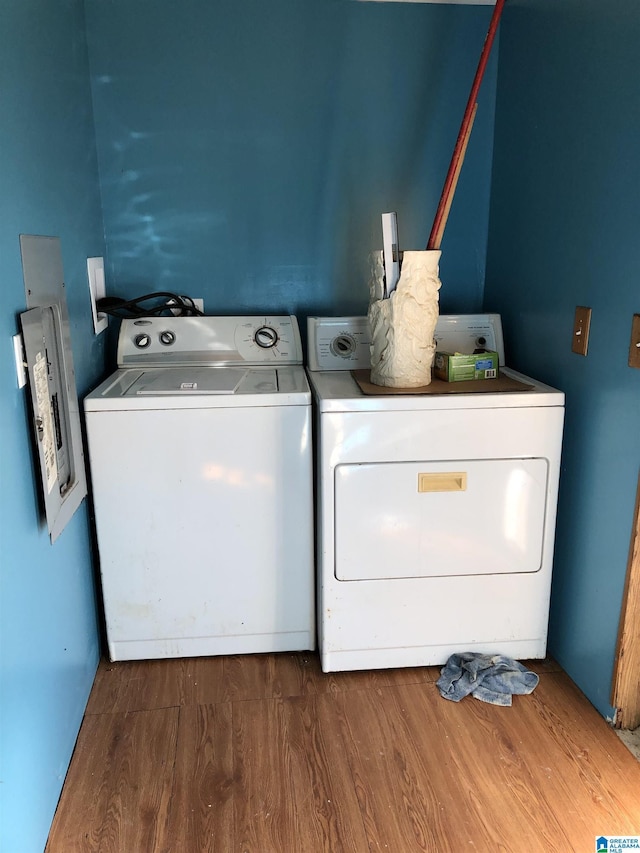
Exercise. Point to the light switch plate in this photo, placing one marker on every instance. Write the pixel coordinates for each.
(581, 325)
(634, 346)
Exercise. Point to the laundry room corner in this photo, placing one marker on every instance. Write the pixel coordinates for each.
(564, 212)
(49, 646)
(240, 153)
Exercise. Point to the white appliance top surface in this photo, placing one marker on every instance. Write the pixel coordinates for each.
(338, 345)
(200, 387)
(337, 391)
(205, 341)
(205, 362)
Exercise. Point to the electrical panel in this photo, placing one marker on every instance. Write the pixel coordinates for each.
(56, 416)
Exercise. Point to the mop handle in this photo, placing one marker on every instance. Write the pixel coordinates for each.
(463, 136)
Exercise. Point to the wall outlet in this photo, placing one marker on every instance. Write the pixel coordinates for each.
(21, 362)
(97, 290)
(581, 325)
(198, 303)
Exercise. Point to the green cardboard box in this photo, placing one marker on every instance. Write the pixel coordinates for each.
(458, 367)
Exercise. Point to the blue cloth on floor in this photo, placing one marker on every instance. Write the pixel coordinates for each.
(490, 678)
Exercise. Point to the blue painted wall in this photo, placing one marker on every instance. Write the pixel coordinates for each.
(248, 148)
(565, 209)
(246, 152)
(48, 634)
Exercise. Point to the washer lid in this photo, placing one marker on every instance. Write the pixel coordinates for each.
(195, 387)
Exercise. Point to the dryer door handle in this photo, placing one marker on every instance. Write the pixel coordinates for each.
(443, 481)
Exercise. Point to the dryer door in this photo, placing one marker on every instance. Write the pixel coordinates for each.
(430, 519)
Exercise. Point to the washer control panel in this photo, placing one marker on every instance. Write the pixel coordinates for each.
(179, 341)
(338, 343)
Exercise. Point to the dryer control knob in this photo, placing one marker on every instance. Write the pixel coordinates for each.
(142, 341)
(266, 337)
(167, 338)
(343, 345)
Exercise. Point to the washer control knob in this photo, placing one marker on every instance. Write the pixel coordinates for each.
(167, 338)
(266, 337)
(142, 341)
(343, 345)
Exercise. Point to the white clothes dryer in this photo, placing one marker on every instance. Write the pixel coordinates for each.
(435, 512)
(201, 468)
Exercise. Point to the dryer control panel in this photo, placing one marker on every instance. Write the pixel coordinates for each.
(470, 333)
(343, 343)
(338, 343)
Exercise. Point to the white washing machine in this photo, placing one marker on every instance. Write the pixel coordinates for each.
(436, 511)
(201, 467)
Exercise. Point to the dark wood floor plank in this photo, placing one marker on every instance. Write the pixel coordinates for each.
(339, 682)
(584, 760)
(294, 790)
(544, 763)
(412, 792)
(300, 674)
(545, 665)
(321, 775)
(201, 808)
(145, 685)
(265, 676)
(400, 801)
(267, 754)
(498, 794)
(106, 687)
(117, 792)
(77, 825)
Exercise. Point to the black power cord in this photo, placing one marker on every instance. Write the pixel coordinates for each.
(164, 304)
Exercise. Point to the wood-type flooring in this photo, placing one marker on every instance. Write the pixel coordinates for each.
(267, 754)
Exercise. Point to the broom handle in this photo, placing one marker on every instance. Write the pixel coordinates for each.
(436, 239)
(465, 129)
